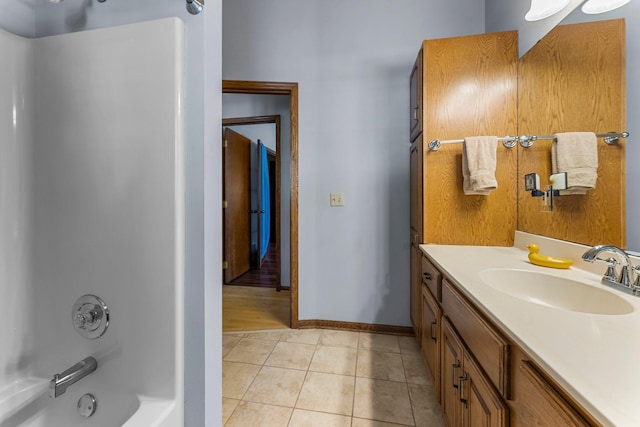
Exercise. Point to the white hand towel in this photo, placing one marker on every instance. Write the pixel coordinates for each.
(479, 165)
(576, 153)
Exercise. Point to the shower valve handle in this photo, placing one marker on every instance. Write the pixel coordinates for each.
(87, 317)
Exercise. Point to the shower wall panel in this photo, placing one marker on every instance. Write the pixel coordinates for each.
(108, 201)
(16, 121)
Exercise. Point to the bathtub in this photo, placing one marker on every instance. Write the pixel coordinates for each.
(26, 403)
(93, 206)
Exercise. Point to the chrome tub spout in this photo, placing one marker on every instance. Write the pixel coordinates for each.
(60, 382)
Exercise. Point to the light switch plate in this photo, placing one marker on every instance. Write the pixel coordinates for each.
(336, 199)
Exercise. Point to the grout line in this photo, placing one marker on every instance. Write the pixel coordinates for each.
(406, 383)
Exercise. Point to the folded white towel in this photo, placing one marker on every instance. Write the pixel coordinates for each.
(576, 153)
(479, 165)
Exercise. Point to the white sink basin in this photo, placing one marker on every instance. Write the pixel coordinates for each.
(553, 291)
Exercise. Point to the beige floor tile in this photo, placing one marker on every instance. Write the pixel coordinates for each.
(339, 338)
(378, 342)
(291, 355)
(409, 345)
(228, 342)
(276, 386)
(302, 336)
(266, 335)
(380, 365)
(360, 422)
(334, 360)
(249, 350)
(249, 414)
(303, 418)
(382, 401)
(228, 406)
(426, 410)
(415, 369)
(236, 378)
(327, 393)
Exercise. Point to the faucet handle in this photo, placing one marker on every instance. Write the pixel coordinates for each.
(611, 274)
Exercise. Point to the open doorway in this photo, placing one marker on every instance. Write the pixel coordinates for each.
(263, 238)
(286, 252)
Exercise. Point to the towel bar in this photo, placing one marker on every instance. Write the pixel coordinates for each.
(610, 138)
(507, 141)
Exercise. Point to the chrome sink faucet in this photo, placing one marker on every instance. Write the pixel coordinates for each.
(629, 278)
(60, 382)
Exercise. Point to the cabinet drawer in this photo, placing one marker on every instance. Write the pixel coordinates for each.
(488, 346)
(432, 278)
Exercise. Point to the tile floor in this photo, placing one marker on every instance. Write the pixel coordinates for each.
(325, 378)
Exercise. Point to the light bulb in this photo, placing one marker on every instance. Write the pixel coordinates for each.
(541, 9)
(601, 6)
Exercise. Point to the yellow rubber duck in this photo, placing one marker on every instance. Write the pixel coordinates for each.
(546, 261)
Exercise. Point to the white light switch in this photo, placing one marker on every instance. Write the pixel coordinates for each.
(337, 199)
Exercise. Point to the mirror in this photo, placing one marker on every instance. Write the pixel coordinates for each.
(573, 81)
(503, 15)
(631, 13)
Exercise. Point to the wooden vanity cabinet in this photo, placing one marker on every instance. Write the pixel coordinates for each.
(480, 376)
(468, 397)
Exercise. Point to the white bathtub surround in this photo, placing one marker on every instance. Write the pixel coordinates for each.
(16, 174)
(593, 356)
(96, 198)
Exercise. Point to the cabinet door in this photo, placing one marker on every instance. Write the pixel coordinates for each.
(415, 189)
(416, 290)
(415, 95)
(538, 403)
(451, 370)
(482, 405)
(431, 314)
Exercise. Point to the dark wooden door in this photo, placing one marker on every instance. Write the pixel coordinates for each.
(237, 204)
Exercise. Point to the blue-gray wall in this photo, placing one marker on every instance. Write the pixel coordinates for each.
(352, 61)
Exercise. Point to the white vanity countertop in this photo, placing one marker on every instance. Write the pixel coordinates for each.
(595, 357)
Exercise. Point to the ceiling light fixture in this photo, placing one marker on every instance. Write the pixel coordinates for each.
(601, 6)
(541, 9)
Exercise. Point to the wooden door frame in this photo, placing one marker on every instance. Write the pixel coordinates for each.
(256, 120)
(291, 89)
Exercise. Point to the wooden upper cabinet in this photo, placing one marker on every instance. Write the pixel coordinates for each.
(415, 96)
(468, 88)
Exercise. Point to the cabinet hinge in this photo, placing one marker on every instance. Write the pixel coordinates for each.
(225, 204)
(225, 265)
(224, 143)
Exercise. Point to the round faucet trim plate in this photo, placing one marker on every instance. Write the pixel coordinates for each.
(90, 316)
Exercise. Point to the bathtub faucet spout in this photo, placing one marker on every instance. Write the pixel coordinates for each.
(60, 382)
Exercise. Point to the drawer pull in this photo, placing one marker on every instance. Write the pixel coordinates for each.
(426, 276)
(432, 330)
(463, 396)
(454, 377)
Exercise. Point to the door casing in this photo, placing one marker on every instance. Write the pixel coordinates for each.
(291, 89)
